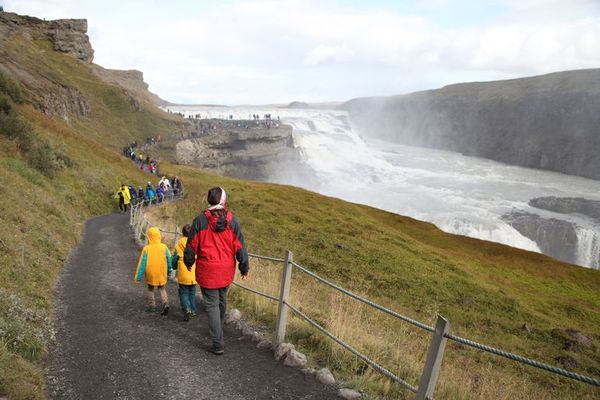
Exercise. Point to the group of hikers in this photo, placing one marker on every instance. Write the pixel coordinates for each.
(206, 255)
(135, 153)
(128, 195)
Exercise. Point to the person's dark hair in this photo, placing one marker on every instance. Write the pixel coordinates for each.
(213, 198)
(186, 230)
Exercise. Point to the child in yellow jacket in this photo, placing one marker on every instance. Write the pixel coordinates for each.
(185, 277)
(155, 265)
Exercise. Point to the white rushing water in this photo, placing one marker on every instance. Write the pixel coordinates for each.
(461, 195)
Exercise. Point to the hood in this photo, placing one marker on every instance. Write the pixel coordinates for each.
(217, 223)
(183, 241)
(153, 235)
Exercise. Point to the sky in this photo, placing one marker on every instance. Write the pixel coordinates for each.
(278, 51)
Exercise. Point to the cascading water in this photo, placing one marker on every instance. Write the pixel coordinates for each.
(588, 247)
(462, 195)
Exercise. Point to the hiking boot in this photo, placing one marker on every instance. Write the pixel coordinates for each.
(217, 351)
(186, 316)
(165, 310)
(151, 309)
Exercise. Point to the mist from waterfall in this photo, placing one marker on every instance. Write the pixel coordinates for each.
(461, 195)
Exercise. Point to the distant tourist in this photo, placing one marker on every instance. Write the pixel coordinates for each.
(176, 185)
(124, 198)
(133, 194)
(141, 195)
(160, 193)
(215, 242)
(186, 278)
(150, 193)
(154, 266)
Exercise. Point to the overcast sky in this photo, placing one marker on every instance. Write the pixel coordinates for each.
(268, 51)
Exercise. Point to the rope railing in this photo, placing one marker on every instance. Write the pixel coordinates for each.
(364, 300)
(524, 360)
(266, 257)
(268, 296)
(418, 324)
(137, 222)
(352, 350)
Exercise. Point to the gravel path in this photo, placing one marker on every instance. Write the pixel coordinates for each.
(107, 347)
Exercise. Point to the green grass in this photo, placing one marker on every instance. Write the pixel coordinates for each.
(487, 290)
(43, 214)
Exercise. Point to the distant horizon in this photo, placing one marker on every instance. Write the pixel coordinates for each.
(277, 51)
(339, 102)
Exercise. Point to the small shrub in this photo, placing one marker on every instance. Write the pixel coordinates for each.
(5, 104)
(11, 88)
(22, 330)
(39, 153)
(41, 157)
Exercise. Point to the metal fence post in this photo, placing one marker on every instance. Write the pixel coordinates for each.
(138, 226)
(434, 360)
(176, 236)
(147, 226)
(282, 310)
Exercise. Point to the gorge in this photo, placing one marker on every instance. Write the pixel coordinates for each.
(460, 194)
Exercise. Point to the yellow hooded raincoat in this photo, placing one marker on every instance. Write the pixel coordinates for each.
(126, 195)
(184, 277)
(155, 261)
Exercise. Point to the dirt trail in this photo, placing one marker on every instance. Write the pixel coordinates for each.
(107, 347)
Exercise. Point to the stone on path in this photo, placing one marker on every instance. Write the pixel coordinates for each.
(295, 359)
(264, 344)
(256, 337)
(325, 377)
(234, 315)
(349, 394)
(282, 350)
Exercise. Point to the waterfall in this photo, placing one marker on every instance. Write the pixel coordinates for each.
(460, 194)
(588, 247)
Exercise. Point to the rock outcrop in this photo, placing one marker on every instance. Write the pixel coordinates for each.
(65, 101)
(132, 82)
(66, 35)
(549, 122)
(252, 153)
(568, 205)
(554, 237)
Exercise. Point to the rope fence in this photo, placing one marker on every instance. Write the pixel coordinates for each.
(440, 333)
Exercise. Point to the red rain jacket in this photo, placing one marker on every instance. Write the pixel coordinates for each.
(215, 243)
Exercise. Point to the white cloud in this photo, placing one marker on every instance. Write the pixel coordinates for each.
(263, 51)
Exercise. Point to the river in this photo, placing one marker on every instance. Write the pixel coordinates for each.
(459, 194)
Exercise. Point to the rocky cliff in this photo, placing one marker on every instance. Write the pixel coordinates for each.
(255, 153)
(554, 237)
(568, 205)
(576, 241)
(66, 35)
(48, 93)
(549, 122)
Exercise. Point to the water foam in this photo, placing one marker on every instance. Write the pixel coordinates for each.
(588, 247)
(462, 195)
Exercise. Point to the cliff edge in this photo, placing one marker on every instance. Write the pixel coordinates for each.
(549, 122)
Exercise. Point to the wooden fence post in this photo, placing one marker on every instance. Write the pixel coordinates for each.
(282, 310)
(433, 363)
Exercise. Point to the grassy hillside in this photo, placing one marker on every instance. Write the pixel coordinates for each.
(43, 213)
(488, 291)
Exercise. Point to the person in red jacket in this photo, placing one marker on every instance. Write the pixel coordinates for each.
(214, 243)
